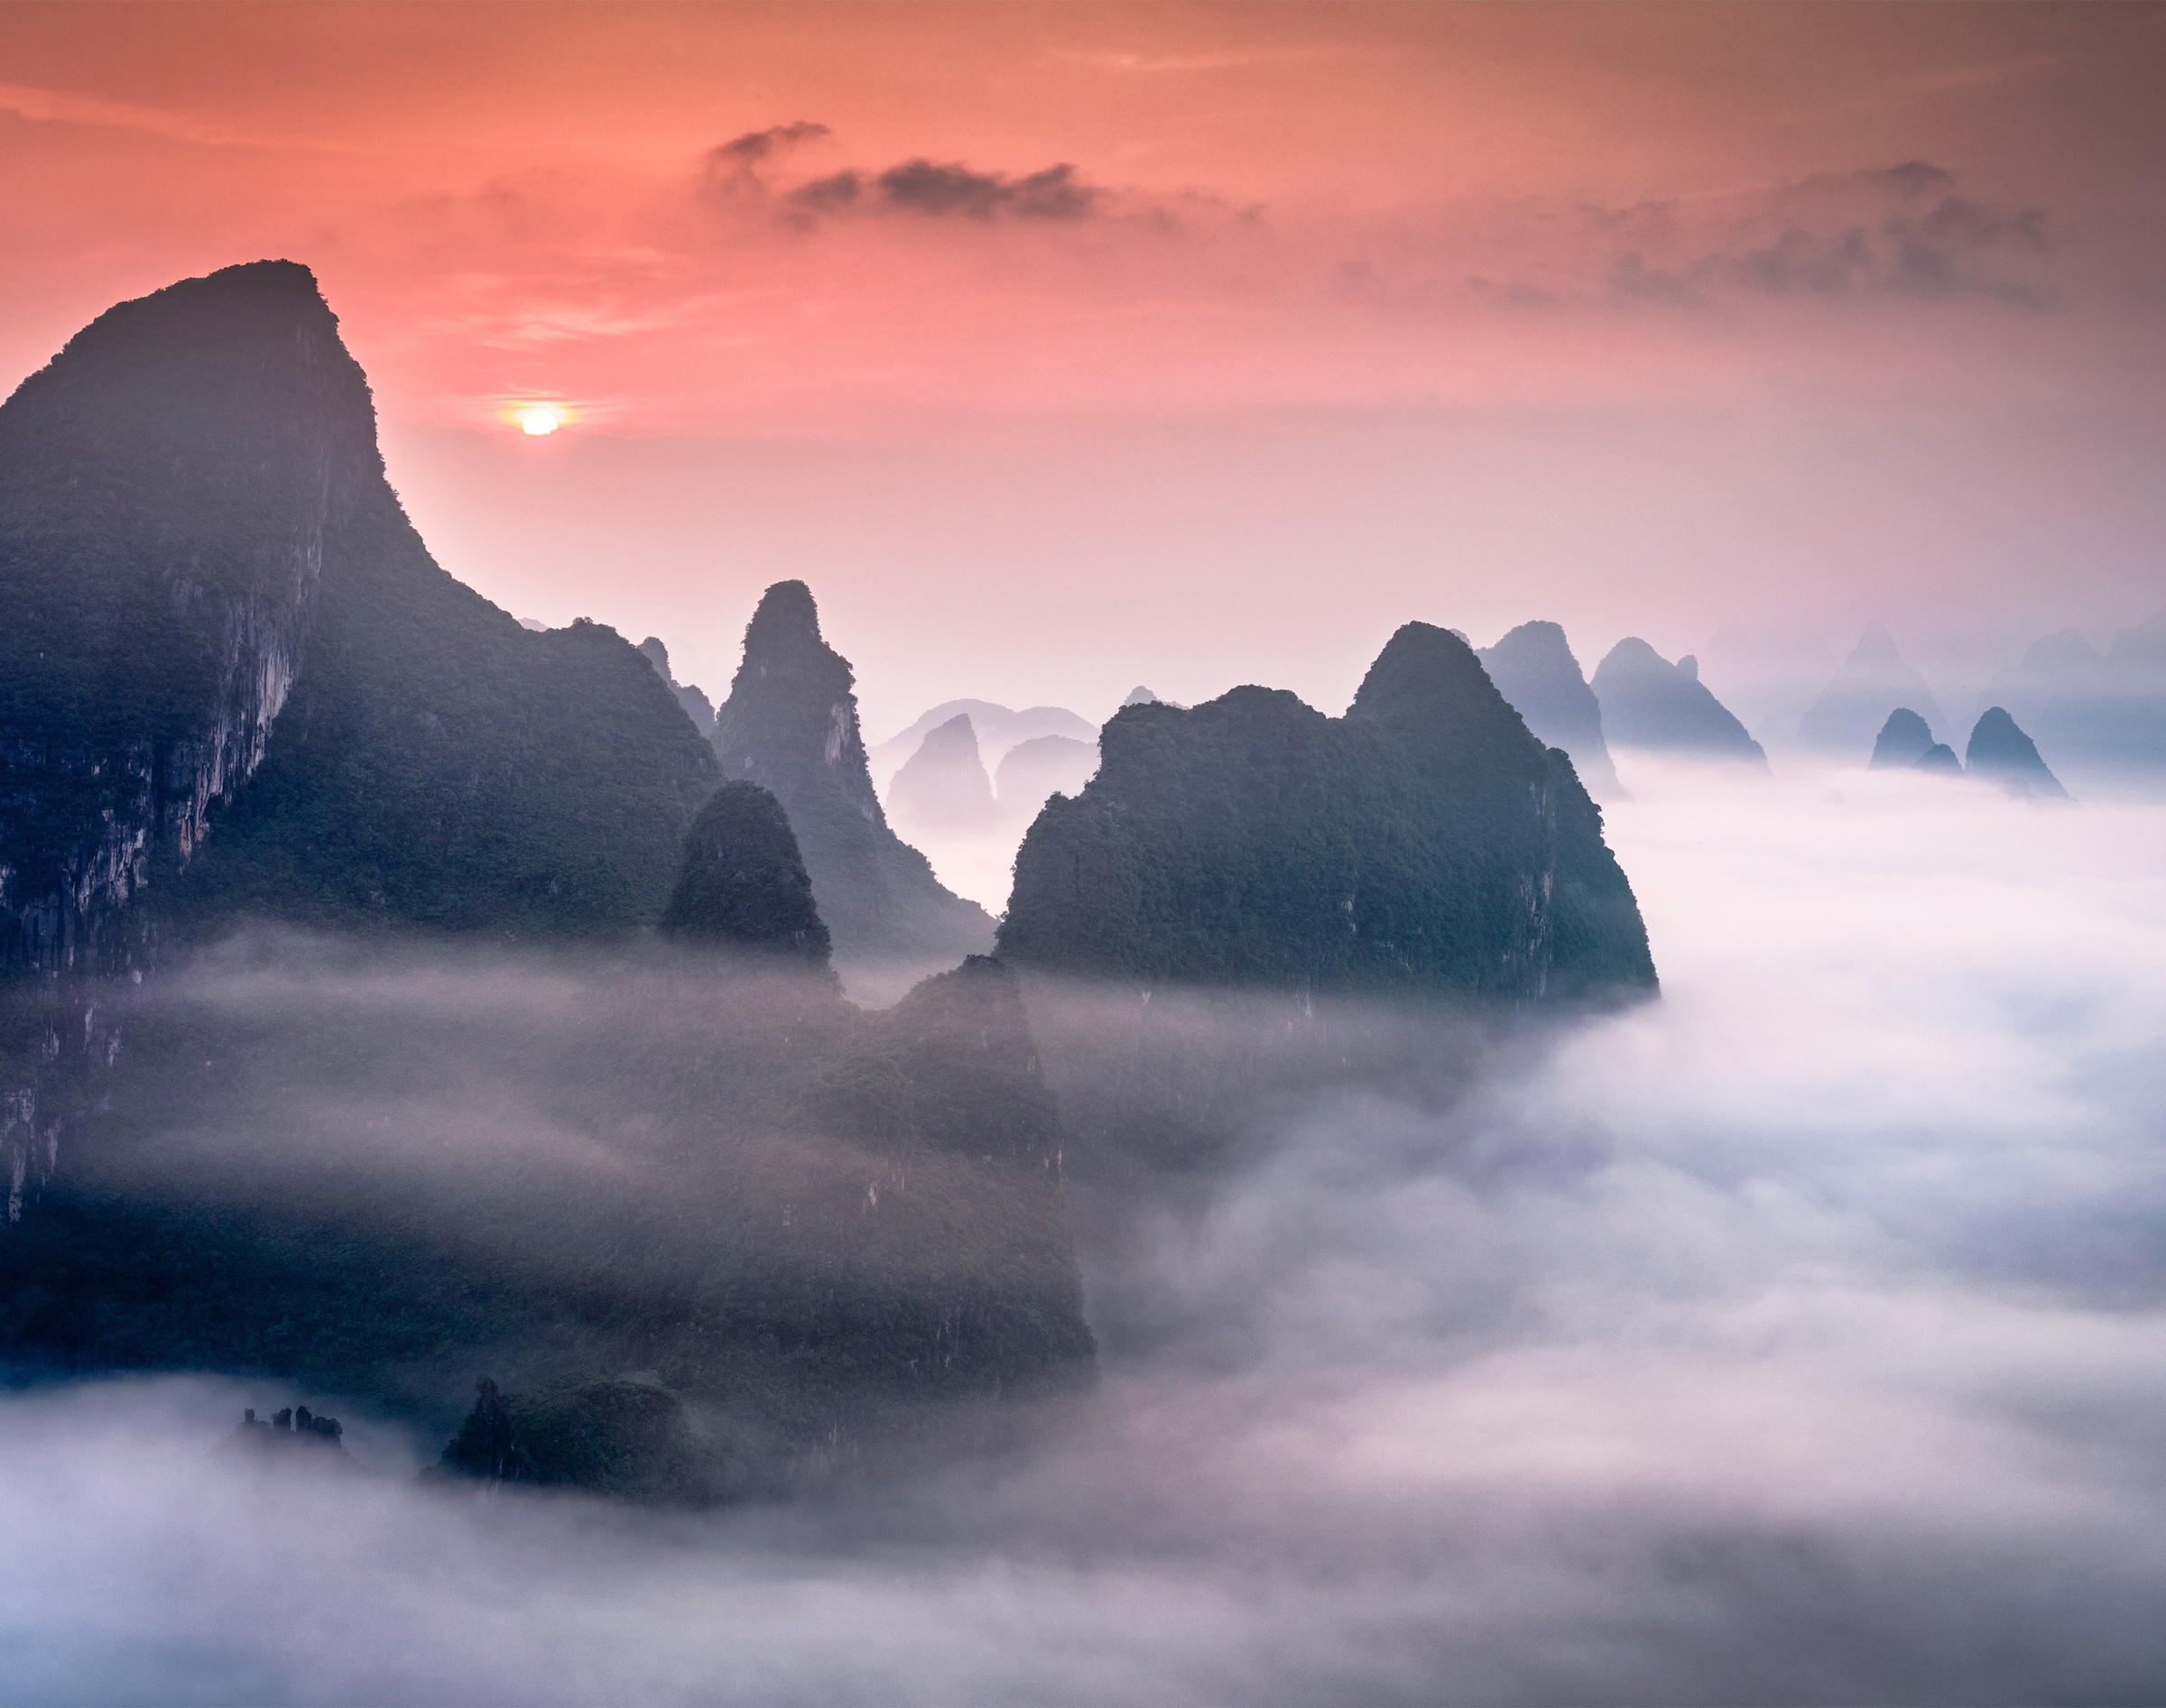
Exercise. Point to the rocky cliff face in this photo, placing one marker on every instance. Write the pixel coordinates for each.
(167, 485)
(1648, 702)
(790, 726)
(1424, 842)
(241, 685)
(1533, 668)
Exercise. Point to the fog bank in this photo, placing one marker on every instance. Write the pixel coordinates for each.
(1800, 1337)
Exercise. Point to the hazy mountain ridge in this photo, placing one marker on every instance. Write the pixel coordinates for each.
(2101, 709)
(1650, 702)
(1533, 668)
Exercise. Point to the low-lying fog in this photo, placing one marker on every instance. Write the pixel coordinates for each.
(1801, 1338)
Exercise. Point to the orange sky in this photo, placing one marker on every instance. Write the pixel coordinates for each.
(1646, 319)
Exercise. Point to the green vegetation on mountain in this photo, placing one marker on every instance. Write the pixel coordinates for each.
(1423, 844)
(741, 883)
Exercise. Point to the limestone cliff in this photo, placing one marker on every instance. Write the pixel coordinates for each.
(169, 484)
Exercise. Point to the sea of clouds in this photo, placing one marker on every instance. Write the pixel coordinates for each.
(1800, 1337)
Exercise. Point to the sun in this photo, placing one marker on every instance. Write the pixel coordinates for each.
(540, 419)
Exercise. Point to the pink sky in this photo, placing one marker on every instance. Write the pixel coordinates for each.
(1649, 319)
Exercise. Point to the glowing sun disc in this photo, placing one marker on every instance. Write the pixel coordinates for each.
(539, 419)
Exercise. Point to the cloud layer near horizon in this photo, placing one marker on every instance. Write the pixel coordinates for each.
(1796, 1338)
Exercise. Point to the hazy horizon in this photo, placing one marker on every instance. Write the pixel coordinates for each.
(1646, 320)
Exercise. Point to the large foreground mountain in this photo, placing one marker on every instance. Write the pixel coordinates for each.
(790, 726)
(1424, 844)
(234, 678)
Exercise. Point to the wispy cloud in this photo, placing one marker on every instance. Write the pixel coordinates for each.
(56, 107)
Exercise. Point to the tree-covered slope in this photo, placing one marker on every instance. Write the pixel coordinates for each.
(742, 884)
(1424, 842)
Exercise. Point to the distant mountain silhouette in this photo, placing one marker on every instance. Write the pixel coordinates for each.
(1043, 766)
(696, 707)
(1647, 702)
(1904, 739)
(2100, 710)
(1139, 695)
(790, 726)
(234, 680)
(2000, 753)
(1873, 681)
(997, 728)
(942, 789)
(1533, 667)
(1939, 758)
(742, 883)
(1425, 843)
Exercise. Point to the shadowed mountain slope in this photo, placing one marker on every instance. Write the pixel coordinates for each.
(696, 707)
(229, 655)
(790, 726)
(1533, 668)
(1424, 842)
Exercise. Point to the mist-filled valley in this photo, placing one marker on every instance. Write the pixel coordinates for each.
(1795, 1337)
(1206, 855)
